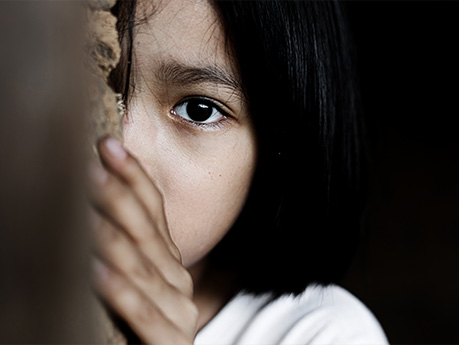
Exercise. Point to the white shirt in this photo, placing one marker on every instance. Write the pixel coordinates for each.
(320, 315)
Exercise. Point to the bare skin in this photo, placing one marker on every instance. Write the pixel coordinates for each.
(175, 189)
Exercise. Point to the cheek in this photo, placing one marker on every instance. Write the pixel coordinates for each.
(204, 179)
(205, 194)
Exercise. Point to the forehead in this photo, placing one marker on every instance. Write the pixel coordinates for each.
(181, 30)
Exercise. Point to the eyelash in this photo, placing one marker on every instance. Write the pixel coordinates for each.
(211, 126)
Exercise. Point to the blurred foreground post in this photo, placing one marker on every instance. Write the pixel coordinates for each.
(44, 289)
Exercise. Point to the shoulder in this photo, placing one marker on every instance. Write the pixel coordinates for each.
(320, 315)
(332, 315)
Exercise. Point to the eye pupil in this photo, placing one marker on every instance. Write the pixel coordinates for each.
(198, 110)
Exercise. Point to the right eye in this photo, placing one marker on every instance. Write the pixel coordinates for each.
(199, 111)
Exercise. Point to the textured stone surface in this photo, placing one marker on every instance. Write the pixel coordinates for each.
(105, 106)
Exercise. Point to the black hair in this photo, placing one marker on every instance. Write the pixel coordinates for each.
(302, 218)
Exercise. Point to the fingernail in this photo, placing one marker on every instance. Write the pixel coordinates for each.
(97, 173)
(115, 148)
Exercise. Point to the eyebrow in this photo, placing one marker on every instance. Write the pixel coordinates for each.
(179, 74)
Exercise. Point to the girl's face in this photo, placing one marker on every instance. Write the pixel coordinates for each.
(188, 123)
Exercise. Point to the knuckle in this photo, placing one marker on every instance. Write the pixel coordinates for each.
(140, 273)
(114, 193)
(146, 233)
(110, 243)
(144, 271)
(160, 287)
(138, 235)
(108, 233)
(146, 314)
(118, 192)
(118, 291)
(189, 309)
(128, 302)
(187, 286)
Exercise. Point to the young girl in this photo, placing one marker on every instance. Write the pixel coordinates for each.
(235, 199)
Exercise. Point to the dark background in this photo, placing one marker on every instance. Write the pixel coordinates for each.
(406, 269)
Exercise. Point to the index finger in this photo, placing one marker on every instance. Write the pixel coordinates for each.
(122, 163)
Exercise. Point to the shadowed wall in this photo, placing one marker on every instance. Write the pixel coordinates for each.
(44, 291)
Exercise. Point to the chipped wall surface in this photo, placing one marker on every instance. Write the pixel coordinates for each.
(105, 107)
(104, 50)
